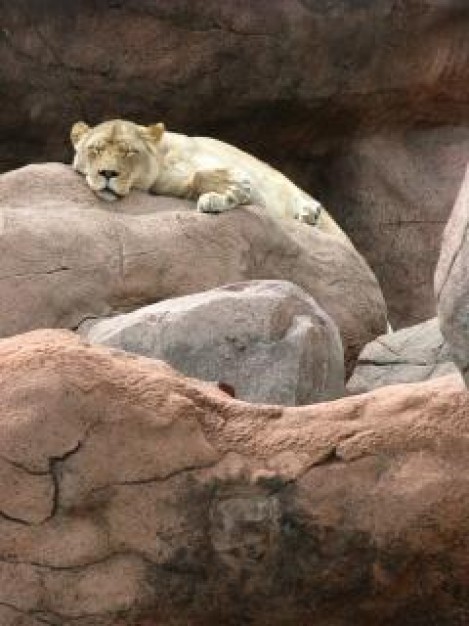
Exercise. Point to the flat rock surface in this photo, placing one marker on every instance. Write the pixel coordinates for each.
(409, 355)
(132, 496)
(268, 340)
(68, 256)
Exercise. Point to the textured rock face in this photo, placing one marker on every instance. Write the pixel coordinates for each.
(409, 355)
(67, 256)
(403, 187)
(345, 62)
(267, 339)
(130, 495)
(452, 282)
(365, 103)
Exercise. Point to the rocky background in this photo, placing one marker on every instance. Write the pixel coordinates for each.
(135, 494)
(364, 103)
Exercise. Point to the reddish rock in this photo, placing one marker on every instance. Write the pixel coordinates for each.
(175, 504)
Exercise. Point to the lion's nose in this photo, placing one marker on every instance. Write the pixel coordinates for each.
(109, 173)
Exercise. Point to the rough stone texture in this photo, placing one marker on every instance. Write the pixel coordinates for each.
(68, 256)
(452, 283)
(268, 340)
(175, 504)
(404, 185)
(409, 355)
(365, 103)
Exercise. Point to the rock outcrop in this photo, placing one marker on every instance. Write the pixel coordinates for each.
(132, 496)
(363, 103)
(68, 256)
(409, 355)
(268, 340)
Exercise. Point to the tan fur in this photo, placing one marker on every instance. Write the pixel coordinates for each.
(118, 156)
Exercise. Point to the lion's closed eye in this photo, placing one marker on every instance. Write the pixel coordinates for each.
(127, 150)
(95, 150)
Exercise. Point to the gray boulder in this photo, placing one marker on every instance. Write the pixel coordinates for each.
(269, 340)
(410, 355)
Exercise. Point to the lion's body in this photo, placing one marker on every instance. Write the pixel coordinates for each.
(117, 156)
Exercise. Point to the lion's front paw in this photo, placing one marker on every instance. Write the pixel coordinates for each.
(310, 214)
(211, 202)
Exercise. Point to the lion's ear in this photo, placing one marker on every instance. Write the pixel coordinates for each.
(78, 131)
(155, 131)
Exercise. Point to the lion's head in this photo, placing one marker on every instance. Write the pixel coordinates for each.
(116, 156)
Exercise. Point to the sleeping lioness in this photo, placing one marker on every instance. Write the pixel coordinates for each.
(118, 156)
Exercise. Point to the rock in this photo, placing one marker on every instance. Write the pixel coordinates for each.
(324, 63)
(452, 284)
(175, 504)
(393, 194)
(409, 355)
(67, 256)
(363, 103)
(268, 340)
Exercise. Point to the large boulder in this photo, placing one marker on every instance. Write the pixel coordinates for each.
(268, 340)
(409, 355)
(363, 102)
(452, 281)
(68, 256)
(132, 496)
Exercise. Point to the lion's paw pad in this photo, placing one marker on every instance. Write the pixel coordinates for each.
(211, 202)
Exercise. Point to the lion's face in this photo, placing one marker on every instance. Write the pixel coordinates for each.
(116, 156)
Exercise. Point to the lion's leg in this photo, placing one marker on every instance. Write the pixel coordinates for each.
(220, 190)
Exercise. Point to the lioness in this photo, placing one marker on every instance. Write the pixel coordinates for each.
(118, 155)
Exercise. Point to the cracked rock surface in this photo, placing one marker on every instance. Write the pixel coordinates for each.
(268, 340)
(68, 256)
(409, 355)
(175, 504)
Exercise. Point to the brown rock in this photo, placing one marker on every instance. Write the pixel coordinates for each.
(365, 103)
(67, 256)
(177, 505)
(333, 68)
(393, 193)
